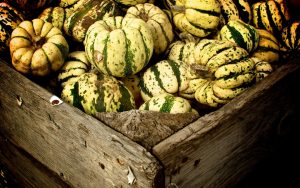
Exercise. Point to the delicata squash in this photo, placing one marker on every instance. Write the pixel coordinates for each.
(37, 48)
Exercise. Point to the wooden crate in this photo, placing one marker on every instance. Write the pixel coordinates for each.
(60, 146)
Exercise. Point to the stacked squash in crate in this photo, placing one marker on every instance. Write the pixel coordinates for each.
(168, 56)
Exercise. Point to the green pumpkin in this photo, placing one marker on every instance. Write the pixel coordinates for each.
(98, 93)
(119, 46)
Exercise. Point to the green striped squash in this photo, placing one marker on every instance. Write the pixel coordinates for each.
(199, 18)
(236, 9)
(54, 15)
(167, 103)
(183, 49)
(270, 15)
(128, 3)
(291, 39)
(77, 24)
(75, 65)
(38, 48)
(165, 76)
(98, 93)
(9, 20)
(119, 46)
(240, 33)
(268, 47)
(158, 22)
(233, 71)
(262, 68)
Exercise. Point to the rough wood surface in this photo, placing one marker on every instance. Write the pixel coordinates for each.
(220, 148)
(28, 169)
(145, 127)
(75, 146)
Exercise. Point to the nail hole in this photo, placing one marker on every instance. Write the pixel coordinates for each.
(196, 163)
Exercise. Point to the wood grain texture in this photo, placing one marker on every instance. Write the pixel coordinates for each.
(75, 146)
(145, 127)
(221, 147)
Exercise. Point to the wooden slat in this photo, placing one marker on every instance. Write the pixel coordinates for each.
(221, 147)
(78, 148)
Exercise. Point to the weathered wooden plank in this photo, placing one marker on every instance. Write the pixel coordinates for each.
(28, 171)
(221, 147)
(75, 146)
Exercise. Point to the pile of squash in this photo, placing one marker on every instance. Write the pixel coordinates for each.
(173, 56)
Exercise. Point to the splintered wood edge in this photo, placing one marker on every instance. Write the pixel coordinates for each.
(208, 122)
(68, 141)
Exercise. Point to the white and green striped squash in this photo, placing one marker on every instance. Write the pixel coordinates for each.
(268, 47)
(98, 93)
(77, 24)
(129, 3)
(166, 76)
(199, 18)
(271, 15)
(291, 39)
(119, 46)
(236, 9)
(240, 33)
(183, 49)
(231, 66)
(262, 68)
(167, 103)
(54, 15)
(75, 65)
(158, 22)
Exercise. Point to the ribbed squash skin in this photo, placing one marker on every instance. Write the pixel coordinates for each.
(37, 47)
(240, 33)
(167, 103)
(119, 46)
(158, 22)
(98, 93)
(262, 69)
(268, 47)
(77, 24)
(166, 76)
(54, 15)
(199, 18)
(75, 65)
(271, 16)
(291, 39)
(133, 2)
(9, 20)
(236, 9)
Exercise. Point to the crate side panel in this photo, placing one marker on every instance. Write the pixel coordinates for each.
(68, 141)
(221, 147)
